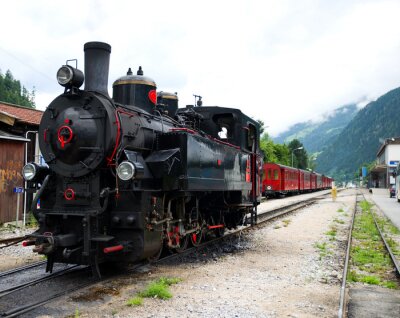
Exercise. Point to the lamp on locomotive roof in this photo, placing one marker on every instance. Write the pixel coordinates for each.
(294, 151)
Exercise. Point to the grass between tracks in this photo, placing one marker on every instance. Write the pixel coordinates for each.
(370, 262)
(157, 289)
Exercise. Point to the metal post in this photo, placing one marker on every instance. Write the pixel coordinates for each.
(25, 182)
(17, 218)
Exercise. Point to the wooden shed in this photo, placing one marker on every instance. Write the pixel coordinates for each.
(11, 162)
(18, 127)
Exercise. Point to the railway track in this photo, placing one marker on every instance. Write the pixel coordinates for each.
(76, 282)
(11, 241)
(342, 300)
(26, 296)
(342, 297)
(22, 268)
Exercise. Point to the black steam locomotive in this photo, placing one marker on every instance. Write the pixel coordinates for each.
(130, 174)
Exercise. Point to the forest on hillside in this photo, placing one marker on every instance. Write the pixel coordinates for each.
(11, 91)
(358, 143)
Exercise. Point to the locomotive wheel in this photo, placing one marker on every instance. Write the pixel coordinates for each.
(184, 242)
(156, 256)
(197, 237)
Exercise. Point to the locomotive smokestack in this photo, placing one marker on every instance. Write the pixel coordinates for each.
(97, 62)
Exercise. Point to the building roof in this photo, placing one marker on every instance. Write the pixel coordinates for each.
(20, 114)
(386, 142)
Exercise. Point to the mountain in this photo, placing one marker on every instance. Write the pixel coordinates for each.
(316, 135)
(358, 143)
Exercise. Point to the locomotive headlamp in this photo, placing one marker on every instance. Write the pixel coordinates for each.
(29, 171)
(126, 170)
(69, 76)
(34, 172)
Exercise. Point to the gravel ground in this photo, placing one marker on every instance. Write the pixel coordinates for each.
(274, 271)
(17, 255)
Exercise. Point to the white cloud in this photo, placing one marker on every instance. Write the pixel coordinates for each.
(281, 61)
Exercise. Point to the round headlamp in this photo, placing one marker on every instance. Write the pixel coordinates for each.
(68, 76)
(29, 171)
(269, 188)
(64, 75)
(126, 170)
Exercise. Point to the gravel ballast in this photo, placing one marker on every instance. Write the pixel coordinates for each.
(274, 271)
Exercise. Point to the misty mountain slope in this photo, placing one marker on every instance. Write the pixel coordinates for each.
(358, 143)
(315, 136)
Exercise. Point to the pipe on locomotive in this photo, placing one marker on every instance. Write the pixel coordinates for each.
(97, 62)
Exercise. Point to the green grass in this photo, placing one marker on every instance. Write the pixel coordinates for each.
(135, 301)
(157, 289)
(323, 249)
(332, 233)
(340, 210)
(286, 222)
(352, 276)
(370, 262)
(338, 221)
(393, 246)
(31, 221)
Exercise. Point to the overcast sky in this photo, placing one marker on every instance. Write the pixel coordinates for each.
(279, 61)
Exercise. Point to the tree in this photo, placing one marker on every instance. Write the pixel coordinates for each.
(300, 157)
(282, 154)
(11, 91)
(262, 127)
(268, 148)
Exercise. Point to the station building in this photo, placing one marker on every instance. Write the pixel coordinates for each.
(387, 159)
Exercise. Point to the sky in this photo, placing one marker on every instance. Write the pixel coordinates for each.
(280, 61)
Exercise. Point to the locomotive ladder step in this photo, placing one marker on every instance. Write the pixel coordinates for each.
(102, 238)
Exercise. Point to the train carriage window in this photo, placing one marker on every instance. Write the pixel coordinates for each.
(269, 174)
(276, 174)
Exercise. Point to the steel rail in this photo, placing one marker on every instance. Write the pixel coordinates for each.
(19, 269)
(29, 307)
(392, 256)
(341, 310)
(36, 281)
(11, 241)
(26, 308)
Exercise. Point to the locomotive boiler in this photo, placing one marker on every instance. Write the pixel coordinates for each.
(127, 175)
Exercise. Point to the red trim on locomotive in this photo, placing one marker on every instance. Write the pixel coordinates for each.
(61, 137)
(69, 194)
(110, 159)
(113, 249)
(190, 131)
(153, 96)
(219, 226)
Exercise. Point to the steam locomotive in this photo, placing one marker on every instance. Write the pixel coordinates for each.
(129, 175)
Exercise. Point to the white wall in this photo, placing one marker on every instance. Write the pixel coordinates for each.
(392, 153)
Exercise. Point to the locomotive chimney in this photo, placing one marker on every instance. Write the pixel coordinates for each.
(97, 62)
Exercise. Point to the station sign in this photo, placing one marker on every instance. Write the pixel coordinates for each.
(18, 190)
(393, 163)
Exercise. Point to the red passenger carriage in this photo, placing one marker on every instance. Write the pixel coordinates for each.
(280, 180)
